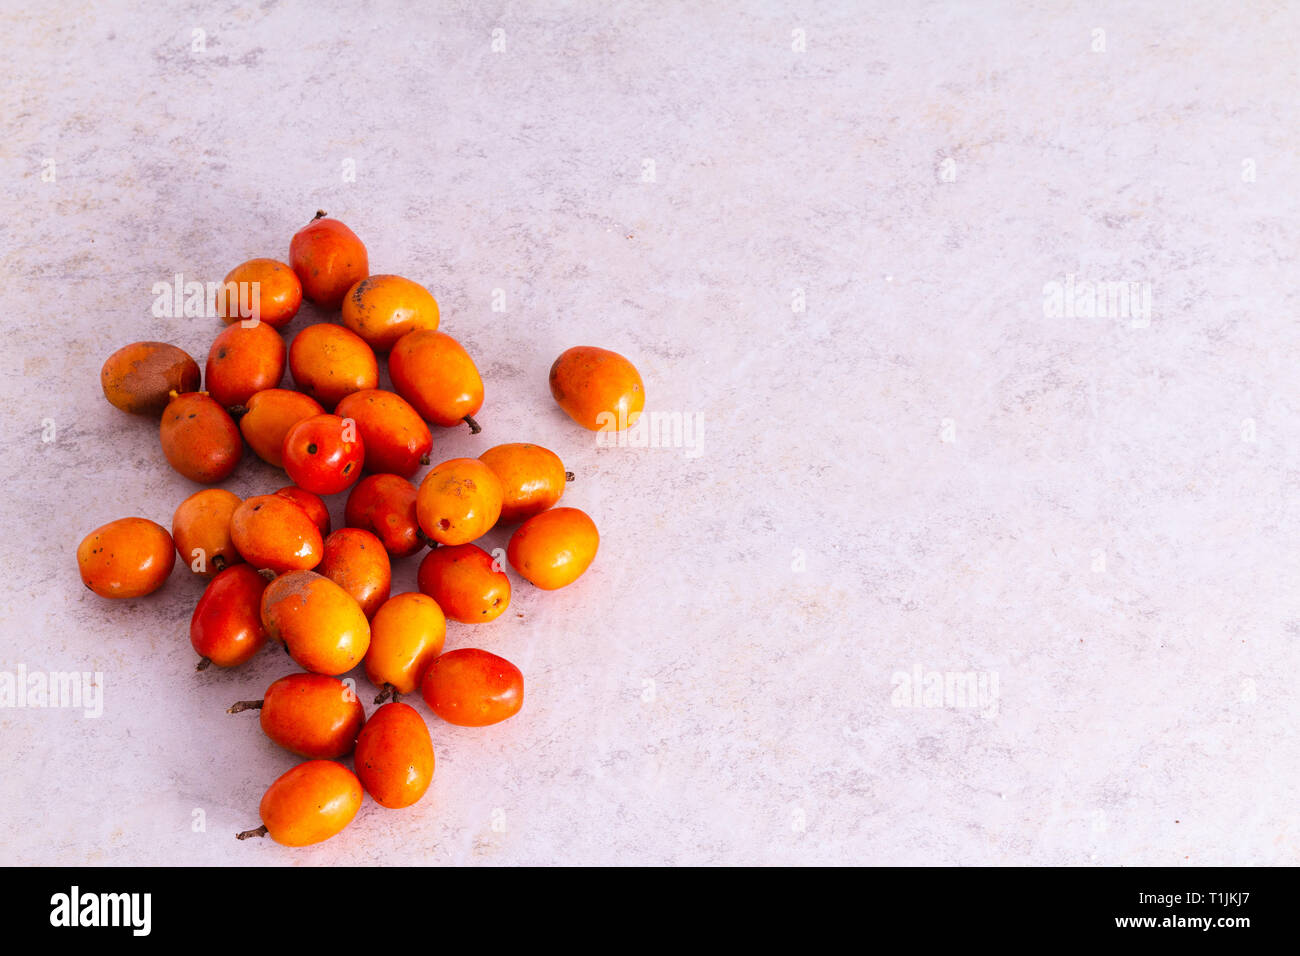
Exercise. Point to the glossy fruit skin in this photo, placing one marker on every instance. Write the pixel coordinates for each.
(329, 259)
(554, 548)
(329, 363)
(458, 501)
(394, 757)
(279, 292)
(384, 505)
(202, 524)
(320, 623)
(324, 454)
(126, 558)
(310, 503)
(397, 440)
(597, 388)
(273, 532)
(139, 378)
(406, 635)
(226, 626)
(310, 803)
(465, 582)
(199, 439)
(473, 688)
(244, 361)
(433, 372)
(313, 715)
(532, 479)
(381, 309)
(271, 413)
(356, 561)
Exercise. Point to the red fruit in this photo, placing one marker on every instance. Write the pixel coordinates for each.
(324, 454)
(473, 688)
(384, 505)
(328, 259)
(226, 628)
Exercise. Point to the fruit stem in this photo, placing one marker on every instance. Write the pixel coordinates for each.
(387, 692)
(267, 573)
(425, 459)
(237, 411)
(240, 706)
(259, 832)
(203, 663)
(219, 562)
(474, 427)
(570, 476)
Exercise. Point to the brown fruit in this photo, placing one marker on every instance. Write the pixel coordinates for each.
(139, 378)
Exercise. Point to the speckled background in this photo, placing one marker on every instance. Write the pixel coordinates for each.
(826, 229)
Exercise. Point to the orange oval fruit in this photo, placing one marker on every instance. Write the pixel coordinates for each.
(310, 503)
(532, 479)
(406, 634)
(201, 531)
(126, 558)
(271, 413)
(278, 293)
(384, 505)
(356, 561)
(199, 439)
(597, 388)
(458, 501)
(394, 758)
(313, 715)
(310, 803)
(243, 361)
(381, 309)
(329, 259)
(466, 582)
(473, 688)
(273, 532)
(322, 626)
(396, 439)
(433, 372)
(328, 363)
(554, 548)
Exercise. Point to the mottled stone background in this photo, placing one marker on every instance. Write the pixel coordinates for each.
(919, 470)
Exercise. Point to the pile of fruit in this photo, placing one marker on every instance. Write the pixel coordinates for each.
(277, 572)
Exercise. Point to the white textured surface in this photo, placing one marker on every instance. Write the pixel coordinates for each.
(1101, 534)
